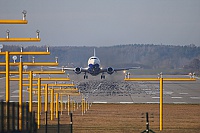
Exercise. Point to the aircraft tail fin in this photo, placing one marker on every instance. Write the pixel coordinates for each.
(94, 52)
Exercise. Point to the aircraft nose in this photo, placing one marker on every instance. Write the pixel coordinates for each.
(90, 65)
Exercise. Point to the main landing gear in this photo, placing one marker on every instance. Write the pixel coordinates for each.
(103, 76)
(85, 76)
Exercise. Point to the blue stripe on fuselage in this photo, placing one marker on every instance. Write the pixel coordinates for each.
(94, 69)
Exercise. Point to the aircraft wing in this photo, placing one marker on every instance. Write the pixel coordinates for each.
(110, 70)
(75, 69)
(122, 69)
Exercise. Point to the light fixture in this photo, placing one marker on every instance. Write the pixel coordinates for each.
(37, 33)
(8, 34)
(56, 59)
(14, 58)
(24, 14)
(1, 47)
(33, 59)
(25, 67)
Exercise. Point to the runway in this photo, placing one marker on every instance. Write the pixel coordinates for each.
(115, 90)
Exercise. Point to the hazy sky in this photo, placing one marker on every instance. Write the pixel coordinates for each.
(104, 22)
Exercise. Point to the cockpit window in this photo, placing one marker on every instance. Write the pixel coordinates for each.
(93, 58)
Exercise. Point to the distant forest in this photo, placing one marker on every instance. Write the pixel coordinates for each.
(148, 56)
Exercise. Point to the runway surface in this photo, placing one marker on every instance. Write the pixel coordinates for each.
(115, 90)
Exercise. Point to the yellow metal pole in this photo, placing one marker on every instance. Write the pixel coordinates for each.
(43, 79)
(46, 97)
(26, 53)
(7, 77)
(72, 94)
(82, 105)
(86, 105)
(52, 103)
(54, 85)
(57, 97)
(30, 90)
(66, 93)
(13, 21)
(31, 63)
(35, 72)
(59, 90)
(20, 39)
(161, 90)
(161, 104)
(7, 84)
(46, 101)
(39, 101)
(68, 103)
(74, 103)
(20, 93)
(157, 79)
(141, 79)
(61, 104)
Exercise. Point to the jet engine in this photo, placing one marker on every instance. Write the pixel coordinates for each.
(110, 70)
(77, 70)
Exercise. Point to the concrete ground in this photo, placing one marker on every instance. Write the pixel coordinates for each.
(114, 89)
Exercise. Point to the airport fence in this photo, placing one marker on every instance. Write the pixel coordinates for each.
(12, 122)
(56, 128)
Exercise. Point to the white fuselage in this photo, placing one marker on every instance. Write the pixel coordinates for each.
(93, 60)
(94, 65)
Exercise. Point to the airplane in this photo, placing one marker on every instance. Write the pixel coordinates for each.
(95, 69)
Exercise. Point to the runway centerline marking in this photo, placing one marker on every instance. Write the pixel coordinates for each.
(14, 96)
(179, 102)
(16, 91)
(195, 97)
(153, 102)
(167, 92)
(183, 93)
(99, 102)
(155, 97)
(125, 102)
(176, 97)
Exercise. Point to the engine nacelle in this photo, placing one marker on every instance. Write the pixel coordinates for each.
(77, 70)
(110, 70)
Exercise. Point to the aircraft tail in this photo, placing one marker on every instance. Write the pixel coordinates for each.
(94, 52)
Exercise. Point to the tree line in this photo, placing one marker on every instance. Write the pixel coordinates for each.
(144, 55)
